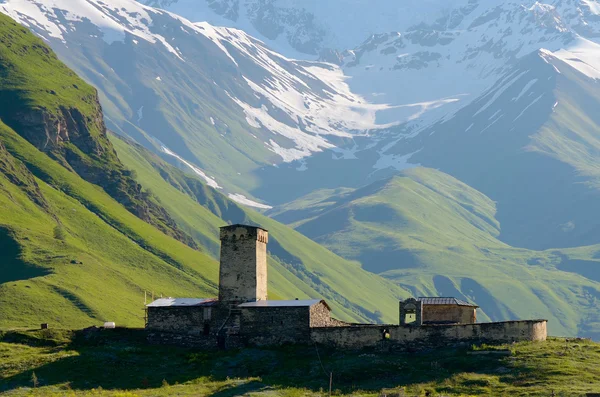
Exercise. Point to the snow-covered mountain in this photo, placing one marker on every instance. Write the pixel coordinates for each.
(423, 59)
(250, 120)
(447, 63)
(215, 99)
(310, 26)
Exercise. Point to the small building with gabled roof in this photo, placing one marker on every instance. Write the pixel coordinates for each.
(447, 310)
(284, 321)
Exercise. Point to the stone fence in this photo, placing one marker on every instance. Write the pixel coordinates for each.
(429, 336)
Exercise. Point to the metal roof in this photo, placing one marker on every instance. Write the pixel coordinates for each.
(444, 301)
(294, 303)
(180, 302)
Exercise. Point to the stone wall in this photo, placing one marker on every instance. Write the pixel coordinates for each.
(429, 336)
(261, 326)
(188, 320)
(449, 314)
(320, 316)
(243, 268)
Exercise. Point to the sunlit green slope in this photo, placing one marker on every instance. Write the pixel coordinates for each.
(436, 236)
(298, 267)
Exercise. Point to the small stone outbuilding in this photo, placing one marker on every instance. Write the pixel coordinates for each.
(275, 322)
(440, 310)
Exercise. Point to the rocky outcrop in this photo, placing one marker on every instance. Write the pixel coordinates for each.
(78, 141)
(20, 176)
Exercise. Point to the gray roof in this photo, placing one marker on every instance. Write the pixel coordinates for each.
(180, 302)
(294, 303)
(236, 225)
(444, 301)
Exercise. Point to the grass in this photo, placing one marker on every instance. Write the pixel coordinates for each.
(119, 363)
(101, 268)
(57, 112)
(436, 236)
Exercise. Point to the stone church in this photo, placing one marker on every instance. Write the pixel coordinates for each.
(243, 315)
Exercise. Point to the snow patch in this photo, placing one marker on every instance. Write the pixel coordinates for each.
(115, 19)
(525, 89)
(528, 106)
(241, 199)
(140, 114)
(209, 181)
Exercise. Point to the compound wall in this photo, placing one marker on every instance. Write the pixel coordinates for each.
(429, 336)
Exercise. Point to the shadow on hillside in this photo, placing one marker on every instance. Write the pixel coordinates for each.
(12, 268)
(121, 359)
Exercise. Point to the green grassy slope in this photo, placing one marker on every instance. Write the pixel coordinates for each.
(99, 264)
(434, 235)
(57, 112)
(82, 240)
(119, 363)
(298, 267)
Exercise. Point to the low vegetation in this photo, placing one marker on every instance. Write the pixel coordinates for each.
(119, 363)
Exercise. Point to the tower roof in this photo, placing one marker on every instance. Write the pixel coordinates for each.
(237, 225)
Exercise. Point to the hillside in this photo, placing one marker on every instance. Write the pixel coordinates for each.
(119, 363)
(436, 236)
(74, 255)
(59, 114)
(298, 267)
(499, 96)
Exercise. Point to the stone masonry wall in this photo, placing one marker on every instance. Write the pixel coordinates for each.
(429, 336)
(261, 326)
(186, 320)
(243, 269)
(449, 313)
(320, 316)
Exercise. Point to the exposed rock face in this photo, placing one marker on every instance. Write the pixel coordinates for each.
(20, 176)
(49, 131)
(79, 142)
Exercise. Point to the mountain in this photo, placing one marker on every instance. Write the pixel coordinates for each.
(434, 235)
(75, 254)
(312, 27)
(530, 144)
(215, 99)
(494, 99)
(422, 59)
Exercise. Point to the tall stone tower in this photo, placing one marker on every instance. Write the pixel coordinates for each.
(243, 271)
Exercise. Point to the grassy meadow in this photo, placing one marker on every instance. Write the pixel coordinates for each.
(120, 363)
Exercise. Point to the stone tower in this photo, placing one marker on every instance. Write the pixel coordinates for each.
(243, 271)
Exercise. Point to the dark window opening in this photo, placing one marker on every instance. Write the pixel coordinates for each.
(206, 329)
(410, 314)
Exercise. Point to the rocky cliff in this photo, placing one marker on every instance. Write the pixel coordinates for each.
(57, 112)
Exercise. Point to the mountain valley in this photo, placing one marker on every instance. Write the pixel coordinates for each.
(390, 153)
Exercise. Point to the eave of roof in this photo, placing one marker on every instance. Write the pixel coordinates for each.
(283, 303)
(183, 302)
(444, 301)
